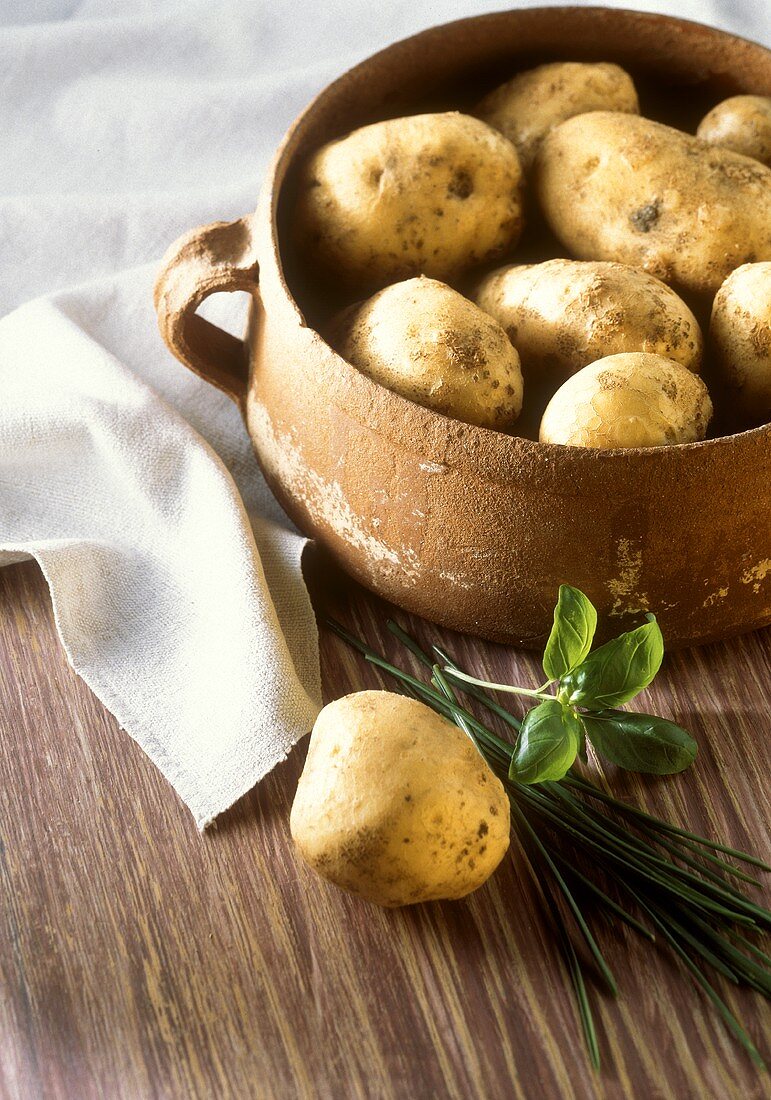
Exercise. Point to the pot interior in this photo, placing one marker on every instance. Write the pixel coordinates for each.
(681, 69)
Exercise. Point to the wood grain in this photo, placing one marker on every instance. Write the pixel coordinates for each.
(141, 960)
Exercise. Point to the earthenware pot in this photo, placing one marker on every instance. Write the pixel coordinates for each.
(466, 526)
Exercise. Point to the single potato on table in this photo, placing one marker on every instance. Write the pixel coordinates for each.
(525, 108)
(427, 342)
(632, 399)
(562, 315)
(740, 333)
(619, 187)
(396, 804)
(431, 194)
(741, 123)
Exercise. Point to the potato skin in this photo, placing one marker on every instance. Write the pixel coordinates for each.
(562, 315)
(740, 334)
(741, 123)
(432, 345)
(525, 108)
(429, 194)
(619, 187)
(629, 400)
(396, 804)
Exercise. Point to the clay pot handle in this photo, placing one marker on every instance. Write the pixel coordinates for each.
(205, 261)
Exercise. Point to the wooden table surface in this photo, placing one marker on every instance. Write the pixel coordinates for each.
(139, 959)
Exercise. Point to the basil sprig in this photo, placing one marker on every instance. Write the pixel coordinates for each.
(590, 687)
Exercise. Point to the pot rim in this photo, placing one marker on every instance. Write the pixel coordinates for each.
(426, 420)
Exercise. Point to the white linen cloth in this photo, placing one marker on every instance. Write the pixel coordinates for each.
(175, 577)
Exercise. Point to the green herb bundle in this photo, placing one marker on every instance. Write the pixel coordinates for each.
(671, 886)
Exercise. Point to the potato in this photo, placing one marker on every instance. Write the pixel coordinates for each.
(525, 109)
(741, 123)
(429, 343)
(396, 804)
(562, 315)
(740, 333)
(619, 187)
(629, 400)
(428, 194)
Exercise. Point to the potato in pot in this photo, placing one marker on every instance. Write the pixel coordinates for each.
(629, 400)
(429, 194)
(740, 334)
(741, 123)
(396, 804)
(525, 108)
(427, 342)
(619, 187)
(562, 315)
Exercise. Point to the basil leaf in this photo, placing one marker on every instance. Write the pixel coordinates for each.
(548, 742)
(575, 621)
(640, 742)
(617, 671)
